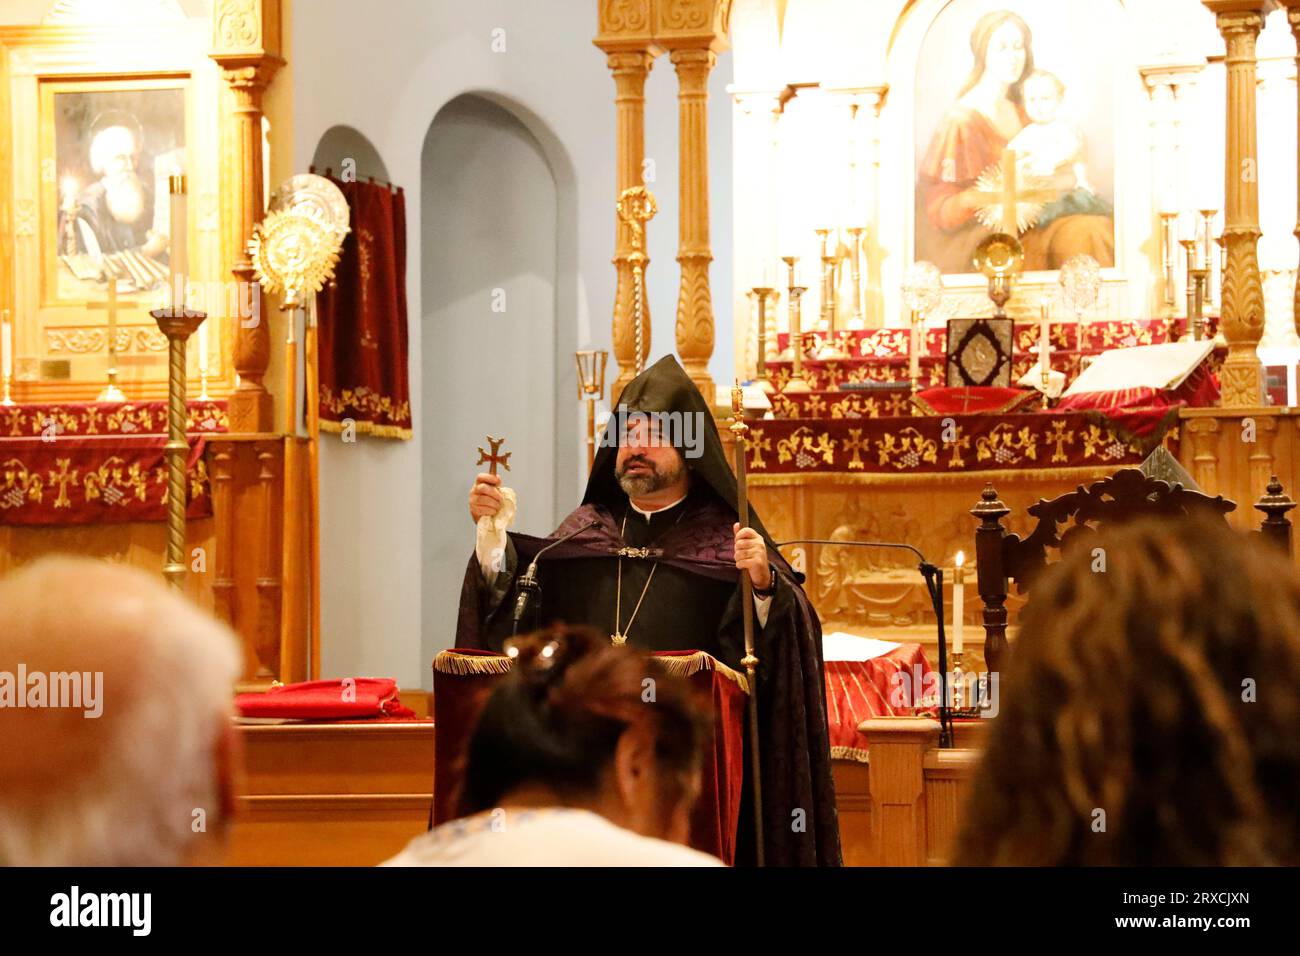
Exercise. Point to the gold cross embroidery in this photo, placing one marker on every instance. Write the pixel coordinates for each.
(856, 445)
(62, 477)
(758, 444)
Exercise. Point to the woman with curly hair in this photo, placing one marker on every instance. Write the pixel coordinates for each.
(1151, 711)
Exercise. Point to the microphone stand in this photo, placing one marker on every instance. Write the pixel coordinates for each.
(529, 587)
(934, 585)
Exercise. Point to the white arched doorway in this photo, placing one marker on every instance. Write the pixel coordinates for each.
(491, 222)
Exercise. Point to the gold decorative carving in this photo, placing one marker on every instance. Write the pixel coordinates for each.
(25, 217)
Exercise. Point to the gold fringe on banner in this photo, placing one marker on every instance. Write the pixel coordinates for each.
(688, 665)
(849, 753)
(470, 665)
(364, 427)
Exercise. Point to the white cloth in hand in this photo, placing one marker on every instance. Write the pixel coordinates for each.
(490, 536)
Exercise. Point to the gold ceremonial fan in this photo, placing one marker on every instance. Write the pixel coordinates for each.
(294, 251)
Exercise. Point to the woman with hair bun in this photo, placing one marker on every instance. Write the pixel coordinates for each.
(583, 756)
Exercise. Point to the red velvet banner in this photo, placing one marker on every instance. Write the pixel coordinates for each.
(106, 418)
(949, 444)
(99, 480)
(363, 334)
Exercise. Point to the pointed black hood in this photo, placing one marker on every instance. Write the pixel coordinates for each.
(665, 387)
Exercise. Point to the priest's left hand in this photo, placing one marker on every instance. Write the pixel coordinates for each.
(751, 554)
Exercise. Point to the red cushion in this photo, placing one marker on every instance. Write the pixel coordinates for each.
(971, 400)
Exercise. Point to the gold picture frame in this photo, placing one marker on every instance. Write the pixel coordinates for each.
(56, 85)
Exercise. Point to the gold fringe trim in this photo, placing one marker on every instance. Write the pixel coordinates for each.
(1002, 409)
(470, 665)
(973, 476)
(368, 428)
(691, 664)
(849, 753)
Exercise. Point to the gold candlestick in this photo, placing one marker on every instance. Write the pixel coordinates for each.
(857, 320)
(760, 373)
(591, 386)
(110, 392)
(796, 383)
(178, 325)
(1169, 259)
(1207, 218)
(1200, 279)
(826, 295)
(787, 354)
(1189, 249)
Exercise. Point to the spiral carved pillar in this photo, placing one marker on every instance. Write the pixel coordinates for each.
(1242, 312)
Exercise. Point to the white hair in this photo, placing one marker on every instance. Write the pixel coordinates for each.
(109, 142)
(154, 775)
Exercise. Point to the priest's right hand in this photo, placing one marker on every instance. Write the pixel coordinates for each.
(485, 497)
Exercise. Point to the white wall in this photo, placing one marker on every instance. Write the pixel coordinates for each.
(386, 72)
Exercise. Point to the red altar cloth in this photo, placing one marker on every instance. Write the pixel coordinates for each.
(50, 419)
(924, 445)
(881, 355)
(98, 480)
(884, 686)
(463, 679)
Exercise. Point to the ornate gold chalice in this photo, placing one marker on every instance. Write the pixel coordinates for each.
(1001, 258)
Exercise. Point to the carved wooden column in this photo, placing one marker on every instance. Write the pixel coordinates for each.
(223, 581)
(693, 31)
(1242, 321)
(1204, 434)
(1293, 17)
(246, 40)
(694, 300)
(624, 35)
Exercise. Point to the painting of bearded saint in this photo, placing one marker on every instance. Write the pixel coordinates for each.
(993, 80)
(114, 152)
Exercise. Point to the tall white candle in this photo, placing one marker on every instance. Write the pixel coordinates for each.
(6, 346)
(914, 350)
(1044, 344)
(958, 603)
(178, 240)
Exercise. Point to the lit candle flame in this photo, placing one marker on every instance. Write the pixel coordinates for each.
(961, 558)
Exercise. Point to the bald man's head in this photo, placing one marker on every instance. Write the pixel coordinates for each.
(114, 711)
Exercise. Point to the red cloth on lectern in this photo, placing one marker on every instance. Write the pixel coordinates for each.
(363, 333)
(463, 679)
(326, 700)
(885, 686)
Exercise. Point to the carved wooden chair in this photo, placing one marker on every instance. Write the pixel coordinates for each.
(1003, 556)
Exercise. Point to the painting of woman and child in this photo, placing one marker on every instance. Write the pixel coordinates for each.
(992, 79)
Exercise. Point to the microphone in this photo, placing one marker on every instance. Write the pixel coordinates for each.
(934, 585)
(528, 584)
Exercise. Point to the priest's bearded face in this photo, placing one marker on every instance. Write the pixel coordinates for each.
(646, 461)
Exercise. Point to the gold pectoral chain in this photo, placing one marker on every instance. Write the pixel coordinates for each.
(620, 635)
